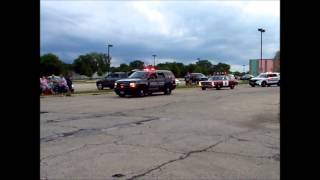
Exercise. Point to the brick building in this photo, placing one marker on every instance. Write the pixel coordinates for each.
(256, 66)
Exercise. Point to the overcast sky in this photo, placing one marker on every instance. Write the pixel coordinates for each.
(181, 31)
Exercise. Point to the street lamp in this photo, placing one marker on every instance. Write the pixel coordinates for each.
(109, 61)
(154, 60)
(261, 30)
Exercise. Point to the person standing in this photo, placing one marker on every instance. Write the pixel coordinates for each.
(187, 79)
(63, 86)
(69, 83)
(44, 85)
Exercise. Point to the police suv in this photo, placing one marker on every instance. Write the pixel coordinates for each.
(141, 83)
(266, 79)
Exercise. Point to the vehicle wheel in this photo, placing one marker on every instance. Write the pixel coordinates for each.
(99, 86)
(121, 95)
(167, 90)
(268, 85)
(203, 88)
(252, 85)
(263, 84)
(111, 87)
(141, 92)
(232, 87)
(278, 83)
(218, 87)
(149, 93)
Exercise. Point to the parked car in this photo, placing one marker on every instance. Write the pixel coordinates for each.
(246, 77)
(266, 79)
(196, 77)
(110, 79)
(218, 82)
(141, 83)
(178, 82)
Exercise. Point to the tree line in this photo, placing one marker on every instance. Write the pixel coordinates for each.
(90, 63)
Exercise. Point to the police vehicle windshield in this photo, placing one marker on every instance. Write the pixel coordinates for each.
(213, 78)
(262, 76)
(139, 74)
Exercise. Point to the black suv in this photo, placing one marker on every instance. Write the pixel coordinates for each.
(109, 80)
(195, 77)
(141, 83)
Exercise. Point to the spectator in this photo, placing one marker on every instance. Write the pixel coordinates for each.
(69, 83)
(44, 85)
(187, 78)
(63, 86)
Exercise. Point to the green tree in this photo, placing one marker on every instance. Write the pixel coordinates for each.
(221, 67)
(90, 63)
(136, 64)
(50, 64)
(276, 64)
(85, 65)
(124, 68)
(277, 55)
(205, 66)
(163, 66)
(191, 68)
(174, 69)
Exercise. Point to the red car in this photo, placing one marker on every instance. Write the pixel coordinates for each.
(218, 82)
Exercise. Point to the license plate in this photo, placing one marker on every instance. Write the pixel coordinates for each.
(121, 92)
(121, 86)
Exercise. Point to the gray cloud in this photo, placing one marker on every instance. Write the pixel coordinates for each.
(181, 31)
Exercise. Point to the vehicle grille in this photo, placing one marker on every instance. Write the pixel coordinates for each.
(206, 84)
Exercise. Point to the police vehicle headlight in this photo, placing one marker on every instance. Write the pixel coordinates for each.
(115, 84)
(133, 85)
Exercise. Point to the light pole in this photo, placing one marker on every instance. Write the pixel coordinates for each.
(109, 61)
(261, 30)
(244, 68)
(154, 60)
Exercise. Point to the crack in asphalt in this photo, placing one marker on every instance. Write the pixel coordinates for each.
(93, 130)
(119, 113)
(185, 155)
(239, 139)
(274, 157)
(75, 149)
(154, 147)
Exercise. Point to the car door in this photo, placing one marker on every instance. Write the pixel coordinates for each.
(225, 81)
(272, 78)
(161, 80)
(153, 82)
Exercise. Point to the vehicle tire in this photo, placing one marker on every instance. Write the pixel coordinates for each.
(203, 88)
(263, 84)
(121, 95)
(252, 85)
(167, 90)
(141, 92)
(149, 93)
(278, 83)
(268, 85)
(218, 87)
(111, 87)
(99, 86)
(232, 87)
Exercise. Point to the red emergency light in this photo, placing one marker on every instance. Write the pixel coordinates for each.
(149, 68)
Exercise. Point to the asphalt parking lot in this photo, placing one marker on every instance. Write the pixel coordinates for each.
(191, 134)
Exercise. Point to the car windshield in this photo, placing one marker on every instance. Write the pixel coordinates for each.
(139, 74)
(216, 78)
(262, 76)
(200, 75)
